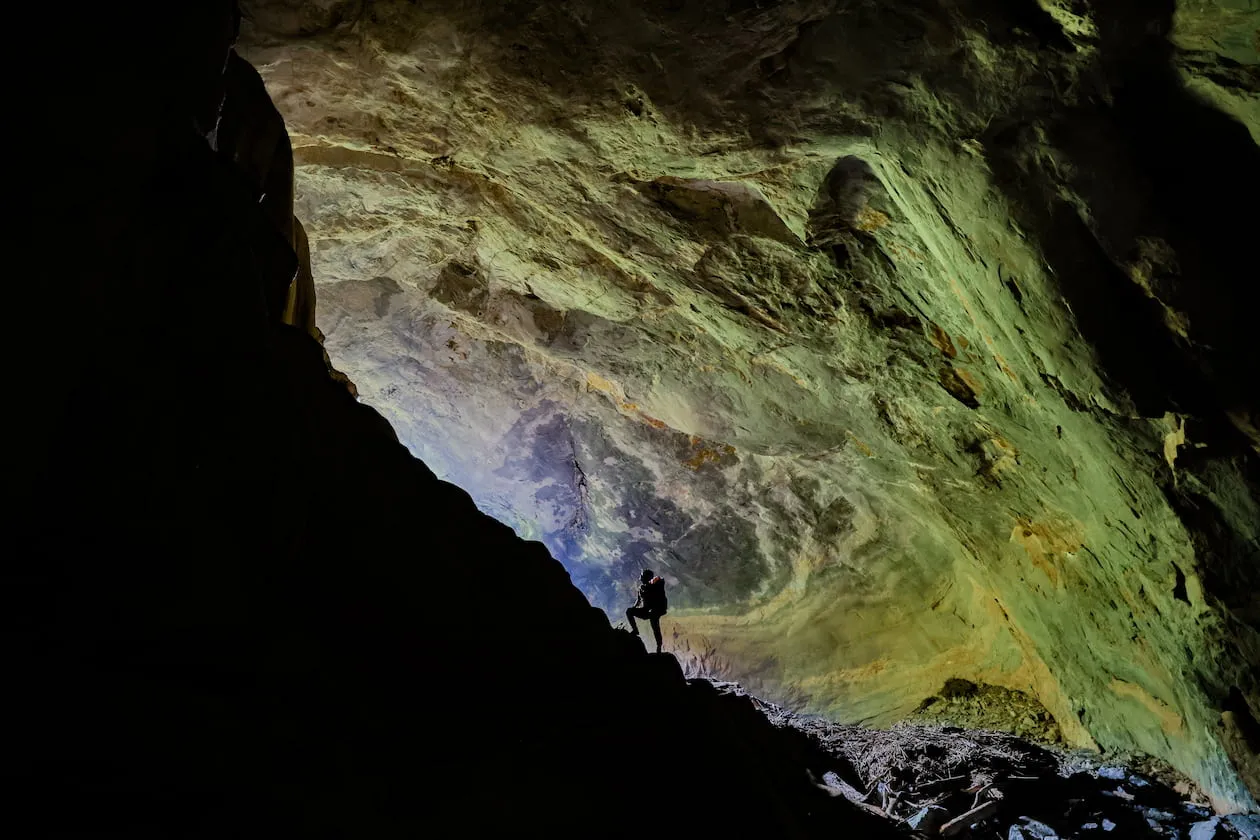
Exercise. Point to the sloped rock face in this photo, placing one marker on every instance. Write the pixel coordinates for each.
(910, 341)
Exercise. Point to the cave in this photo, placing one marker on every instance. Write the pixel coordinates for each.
(369, 349)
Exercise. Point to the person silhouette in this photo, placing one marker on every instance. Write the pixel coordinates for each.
(651, 604)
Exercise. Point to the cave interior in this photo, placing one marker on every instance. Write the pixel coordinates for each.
(381, 344)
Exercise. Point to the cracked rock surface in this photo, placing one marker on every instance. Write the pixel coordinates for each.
(910, 341)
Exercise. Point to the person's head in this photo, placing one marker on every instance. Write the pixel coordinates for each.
(647, 575)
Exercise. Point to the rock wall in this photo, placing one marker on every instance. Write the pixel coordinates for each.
(910, 341)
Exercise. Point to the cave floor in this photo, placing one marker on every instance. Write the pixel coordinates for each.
(941, 780)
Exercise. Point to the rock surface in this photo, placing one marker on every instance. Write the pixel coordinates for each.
(902, 364)
(911, 341)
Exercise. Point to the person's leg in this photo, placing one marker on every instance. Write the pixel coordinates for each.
(656, 630)
(630, 614)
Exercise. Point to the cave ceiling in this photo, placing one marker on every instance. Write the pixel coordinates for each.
(909, 340)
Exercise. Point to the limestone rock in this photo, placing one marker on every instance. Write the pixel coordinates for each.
(724, 207)
(867, 325)
(289, 18)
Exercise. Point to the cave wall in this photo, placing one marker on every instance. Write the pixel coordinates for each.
(234, 605)
(909, 340)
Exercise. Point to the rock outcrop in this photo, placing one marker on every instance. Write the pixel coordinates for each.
(911, 340)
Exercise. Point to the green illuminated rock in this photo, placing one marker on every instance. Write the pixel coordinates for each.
(910, 342)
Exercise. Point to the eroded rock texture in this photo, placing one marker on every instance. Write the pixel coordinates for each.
(912, 340)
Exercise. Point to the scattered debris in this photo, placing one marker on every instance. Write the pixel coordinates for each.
(944, 781)
(977, 706)
(962, 822)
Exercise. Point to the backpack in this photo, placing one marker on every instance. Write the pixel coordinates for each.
(654, 596)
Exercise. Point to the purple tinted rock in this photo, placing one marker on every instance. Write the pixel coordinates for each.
(1205, 830)
(1037, 830)
(1247, 825)
(928, 819)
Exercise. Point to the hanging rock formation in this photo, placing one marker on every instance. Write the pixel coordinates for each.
(912, 341)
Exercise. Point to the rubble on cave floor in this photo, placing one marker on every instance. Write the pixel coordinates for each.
(944, 781)
(970, 705)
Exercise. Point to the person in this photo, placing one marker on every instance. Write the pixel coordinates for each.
(651, 604)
